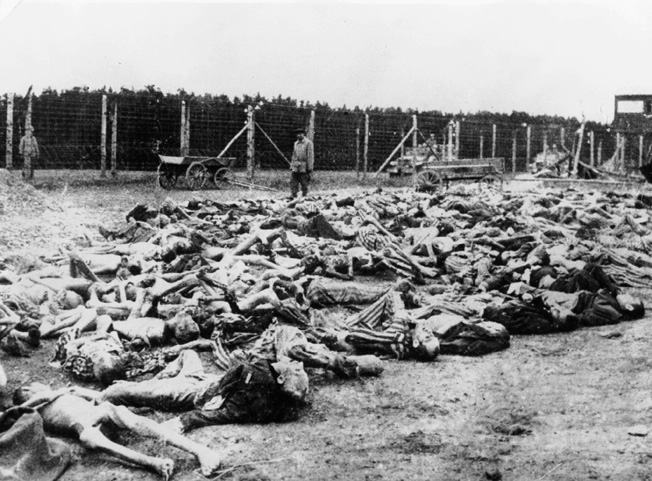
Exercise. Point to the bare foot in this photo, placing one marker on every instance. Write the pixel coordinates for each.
(210, 462)
(174, 425)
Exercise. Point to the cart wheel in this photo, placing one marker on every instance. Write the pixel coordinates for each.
(166, 177)
(429, 181)
(196, 175)
(491, 181)
(222, 176)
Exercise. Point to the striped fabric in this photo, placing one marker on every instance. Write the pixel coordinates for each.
(375, 315)
(372, 240)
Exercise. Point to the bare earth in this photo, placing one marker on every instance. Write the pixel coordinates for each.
(556, 407)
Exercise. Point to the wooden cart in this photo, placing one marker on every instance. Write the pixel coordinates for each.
(196, 170)
(437, 175)
(432, 174)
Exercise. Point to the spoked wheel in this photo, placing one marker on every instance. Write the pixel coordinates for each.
(196, 175)
(429, 181)
(167, 177)
(222, 177)
(490, 182)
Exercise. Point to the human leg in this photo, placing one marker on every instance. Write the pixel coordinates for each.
(92, 438)
(208, 459)
(27, 166)
(304, 180)
(294, 183)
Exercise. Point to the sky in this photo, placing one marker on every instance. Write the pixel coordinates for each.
(567, 58)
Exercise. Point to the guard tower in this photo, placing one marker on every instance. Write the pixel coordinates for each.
(633, 114)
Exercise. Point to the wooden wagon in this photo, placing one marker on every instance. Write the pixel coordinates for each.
(196, 170)
(432, 174)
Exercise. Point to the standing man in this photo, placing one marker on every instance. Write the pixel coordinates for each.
(303, 160)
(29, 150)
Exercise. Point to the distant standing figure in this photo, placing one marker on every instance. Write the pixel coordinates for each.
(303, 160)
(29, 150)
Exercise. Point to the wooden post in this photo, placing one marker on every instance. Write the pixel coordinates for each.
(457, 139)
(449, 149)
(186, 141)
(600, 153)
(562, 136)
(103, 140)
(528, 154)
(402, 145)
(482, 146)
(623, 139)
(545, 144)
(640, 151)
(114, 139)
(9, 157)
(493, 142)
(578, 151)
(357, 152)
(415, 143)
(28, 117)
(250, 142)
(311, 126)
(592, 141)
(365, 154)
(514, 153)
(182, 132)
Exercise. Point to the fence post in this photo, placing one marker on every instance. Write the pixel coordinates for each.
(493, 142)
(182, 130)
(403, 144)
(528, 154)
(415, 143)
(562, 136)
(103, 140)
(640, 151)
(482, 146)
(600, 153)
(514, 153)
(28, 117)
(311, 126)
(250, 142)
(9, 158)
(357, 152)
(186, 141)
(592, 141)
(623, 139)
(457, 139)
(365, 158)
(449, 149)
(578, 151)
(545, 144)
(114, 139)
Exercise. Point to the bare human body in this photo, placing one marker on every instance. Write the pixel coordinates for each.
(68, 411)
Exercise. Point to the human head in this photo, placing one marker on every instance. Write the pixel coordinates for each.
(25, 393)
(29, 130)
(109, 367)
(425, 344)
(184, 327)
(66, 299)
(292, 378)
(300, 133)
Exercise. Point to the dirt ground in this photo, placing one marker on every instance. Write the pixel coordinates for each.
(556, 407)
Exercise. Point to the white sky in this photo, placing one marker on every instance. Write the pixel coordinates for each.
(544, 57)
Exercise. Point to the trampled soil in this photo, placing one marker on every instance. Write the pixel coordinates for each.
(556, 407)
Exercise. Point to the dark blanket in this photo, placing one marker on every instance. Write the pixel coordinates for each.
(25, 453)
(474, 339)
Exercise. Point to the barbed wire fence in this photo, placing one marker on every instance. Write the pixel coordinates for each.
(126, 131)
